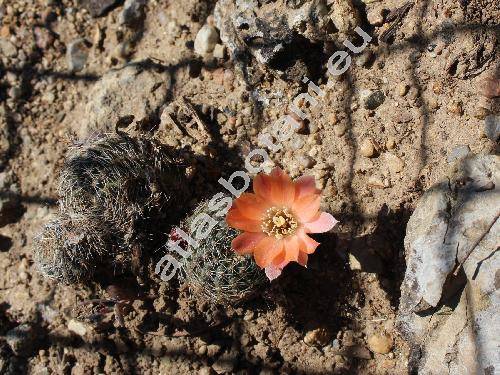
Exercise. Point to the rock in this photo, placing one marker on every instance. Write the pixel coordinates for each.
(269, 31)
(76, 55)
(344, 16)
(225, 363)
(403, 89)
(77, 327)
(371, 99)
(318, 337)
(368, 148)
(213, 350)
(365, 59)
(390, 144)
(375, 16)
(354, 263)
(22, 340)
(7, 48)
(449, 315)
(492, 127)
(455, 107)
(306, 161)
(380, 343)
(98, 8)
(136, 90)
(205, 40)
(458, 153)
(334, 119)
(490, 87)
(219, 51)
(393, 162)
(340, 129)
(132, 13)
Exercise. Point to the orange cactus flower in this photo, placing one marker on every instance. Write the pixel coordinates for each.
(276, 220)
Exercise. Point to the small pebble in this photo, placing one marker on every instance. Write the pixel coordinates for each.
(205, 40)
(76, 55)
(77, 327)
(380, 343)
(318, 337)
(403, 89)
(390, 144)
(372, 99)
(306, 161)
(492, 127)
(455, 107)
(490, 87)
(458, 153)
(368, 148)
(219, 51)
(433, 103)
(340, 130)
(375, 17)
(437, 88)
(333, 119)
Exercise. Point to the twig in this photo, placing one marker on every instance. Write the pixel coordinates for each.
(396, 16)
(202, 126)
(459, 265)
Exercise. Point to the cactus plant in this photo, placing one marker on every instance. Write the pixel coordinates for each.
(117, 194)
(68, 250)
(213, 270)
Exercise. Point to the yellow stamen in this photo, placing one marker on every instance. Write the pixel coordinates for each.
(279, 222)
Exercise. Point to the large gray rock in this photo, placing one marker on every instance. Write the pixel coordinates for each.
(449, 297)
(136, 90)
(267, 28)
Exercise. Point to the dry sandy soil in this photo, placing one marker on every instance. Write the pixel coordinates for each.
(373, 165)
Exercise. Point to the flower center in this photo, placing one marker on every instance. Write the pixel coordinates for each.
(279, 222)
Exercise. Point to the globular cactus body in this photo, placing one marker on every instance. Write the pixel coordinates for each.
(68, 250)
(213, 270)
(117, 194)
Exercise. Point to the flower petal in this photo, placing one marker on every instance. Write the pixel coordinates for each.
(306, 208)
(273, 272)
(235, 219)
(282, 188)
(245, 243)
(266, 250)
(322, 223)
(307, 244)
(251, 205)
(279, 259)
(302, 259)
(305, 185)
(262, 186)
(292, 248)
(276, 188)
